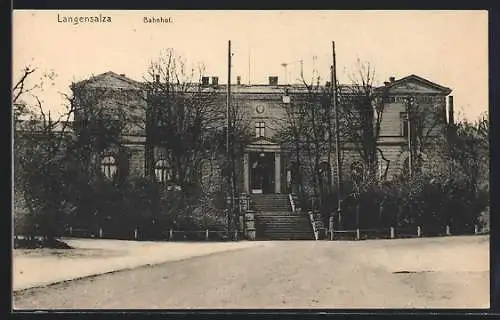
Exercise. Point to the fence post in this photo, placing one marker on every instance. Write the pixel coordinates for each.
(448, 230)
(330, 226)
(100, 232)
(171, 234)
(70, 230)
(419, 231)
(357, 234)
(135, 233)
(392, 232)
(476, 229)
(206, 234)
(236, 235)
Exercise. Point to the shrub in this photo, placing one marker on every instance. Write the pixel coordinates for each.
(422, 200)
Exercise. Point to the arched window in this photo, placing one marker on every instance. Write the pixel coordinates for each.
(109, 167)
(357, 171)
(162, 171)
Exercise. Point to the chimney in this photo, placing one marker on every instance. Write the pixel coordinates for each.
(238, 80)
(451, 119)
(157, 78)
(122, 74)
(204, 81)
(386, 83)
(215, 81)
(273, 81)
(392, 79)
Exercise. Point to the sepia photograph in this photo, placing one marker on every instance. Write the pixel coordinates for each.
(246, 159)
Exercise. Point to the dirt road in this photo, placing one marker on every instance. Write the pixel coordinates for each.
(293, 274)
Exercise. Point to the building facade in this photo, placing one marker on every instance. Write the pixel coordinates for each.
(265, 165)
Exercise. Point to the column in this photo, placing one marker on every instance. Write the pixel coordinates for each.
(277, 172)
(246, 179)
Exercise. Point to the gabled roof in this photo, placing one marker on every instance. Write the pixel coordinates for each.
(263, 141)
(111, 79)
(413, 82)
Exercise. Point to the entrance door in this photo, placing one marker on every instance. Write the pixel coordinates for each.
(262, 172)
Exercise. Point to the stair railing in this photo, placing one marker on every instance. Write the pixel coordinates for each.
(313, 224)
(292, 202)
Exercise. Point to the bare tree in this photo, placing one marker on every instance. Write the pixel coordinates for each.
(426, 129)
(307, 128)
(182, 117)
(101, 118)
(186, 119)
(39, 145)
(362, 110)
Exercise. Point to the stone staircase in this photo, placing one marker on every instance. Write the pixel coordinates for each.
(274, 219)
(270, 202)
(283, 226)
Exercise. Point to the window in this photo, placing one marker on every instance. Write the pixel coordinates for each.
(162, 171)
(260, 128)
(108, 166)
(404, 124)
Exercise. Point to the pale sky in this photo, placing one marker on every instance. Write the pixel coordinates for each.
(446, 47)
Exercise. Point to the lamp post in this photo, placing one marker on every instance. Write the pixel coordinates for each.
(230, 150)
(409, 110)
(228, 133)
(337, 135)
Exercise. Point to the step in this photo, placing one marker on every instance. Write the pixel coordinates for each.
(275, 223)
(286, 233)
(278, 213)
(286, 207)
(269, 195)
(274, 209)
(283, 223)
(286, 237)
(281, 231)
(285, 226)
(293, 226)
(272, 202)
(290, 218)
